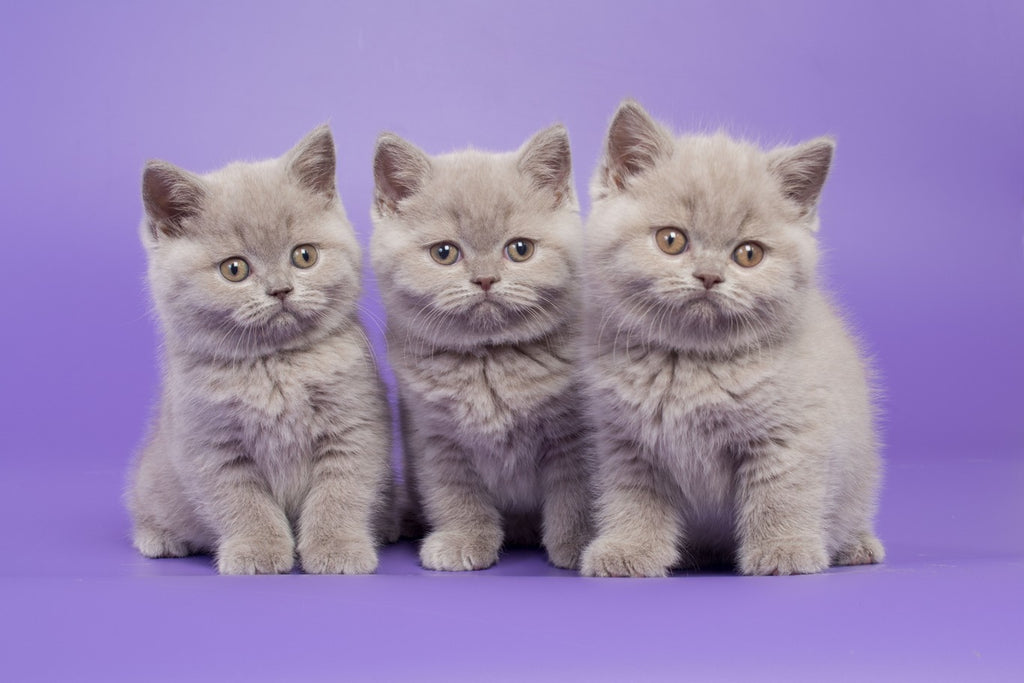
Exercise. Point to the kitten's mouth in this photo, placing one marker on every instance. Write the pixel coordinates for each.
(284, 315)
(486, 302)
(703, 308)
(703, 299)
(486, 312)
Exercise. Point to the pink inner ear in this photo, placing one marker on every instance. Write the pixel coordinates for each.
(170, 195)
(399, 171)
(547, 160)
(803, 170)
(313, 162)
(635, 143)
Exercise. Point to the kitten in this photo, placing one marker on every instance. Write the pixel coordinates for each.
(733, 410)
(477, 258)
(274, 429)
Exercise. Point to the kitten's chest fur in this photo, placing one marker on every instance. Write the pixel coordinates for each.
(692, 411)
(491, 395)
(499, 404)
(271, 410)
(689, 416)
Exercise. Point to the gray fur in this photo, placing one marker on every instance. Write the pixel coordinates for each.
(273, 433)
(495, 449)
(734, 423)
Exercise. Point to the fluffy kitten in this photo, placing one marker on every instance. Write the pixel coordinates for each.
(477, 258)
(274, 428)
(733, 411)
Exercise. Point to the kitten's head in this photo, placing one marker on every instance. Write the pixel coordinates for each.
(473, 248)
(253, 258)
(702, 244)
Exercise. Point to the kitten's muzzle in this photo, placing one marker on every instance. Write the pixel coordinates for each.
(280, 291)
(485, 282)
(709, 279)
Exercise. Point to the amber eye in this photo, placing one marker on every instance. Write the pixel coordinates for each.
(748, 254)
(671, 240)
(519, 249)
(234, 269)
(304, 256)
(444, 253)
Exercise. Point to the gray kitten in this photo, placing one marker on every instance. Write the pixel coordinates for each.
(477, 257)
(733, 409)
(274, 428)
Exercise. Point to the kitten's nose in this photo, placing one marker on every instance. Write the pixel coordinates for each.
(709, 279)
(485, 282)
(280, 292)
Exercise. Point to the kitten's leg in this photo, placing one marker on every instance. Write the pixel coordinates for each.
(853, 540)
(409, 508)
(409, 502)
(156, 502)
(781, 495)
(336, 523)
(388, 520)
(254, 534)
(638, 527)
(466, 527)
(567, 524)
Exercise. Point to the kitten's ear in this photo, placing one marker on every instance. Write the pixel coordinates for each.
(312, 162)
(546, 160)
(802, 170)
(170, 195)
(634, 144)
(399, 170)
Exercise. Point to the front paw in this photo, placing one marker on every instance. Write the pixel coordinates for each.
(865, 550)
(256, 556)
(455, 551)
(609, 556)
(339, 556)
(565, 553)
(154, 542)
(775, 558)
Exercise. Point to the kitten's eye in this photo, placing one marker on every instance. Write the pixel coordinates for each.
(234, 269)
(304, 256)
(748, 254)
(519, 249)
(444, 253)
(671, 240)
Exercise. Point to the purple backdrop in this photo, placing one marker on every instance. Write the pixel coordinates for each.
(922, 224)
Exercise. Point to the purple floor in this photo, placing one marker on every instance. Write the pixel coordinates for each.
(79, 603)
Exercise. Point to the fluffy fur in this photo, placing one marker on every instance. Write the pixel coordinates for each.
(484, 349)
(273, 432)
(732, 407)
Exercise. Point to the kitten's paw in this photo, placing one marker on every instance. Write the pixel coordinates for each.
(256, 556)
(153, 542)
(783, 558)
(340, 556)
(565, 553)
(612, 557)
(453, 551)
(866, 550)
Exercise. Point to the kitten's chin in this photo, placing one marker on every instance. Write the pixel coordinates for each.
(702, 324)
(704, 309)
(486, 316)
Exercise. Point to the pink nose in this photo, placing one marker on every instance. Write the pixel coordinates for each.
(280, 292)
(485, 282)
(709, 279)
